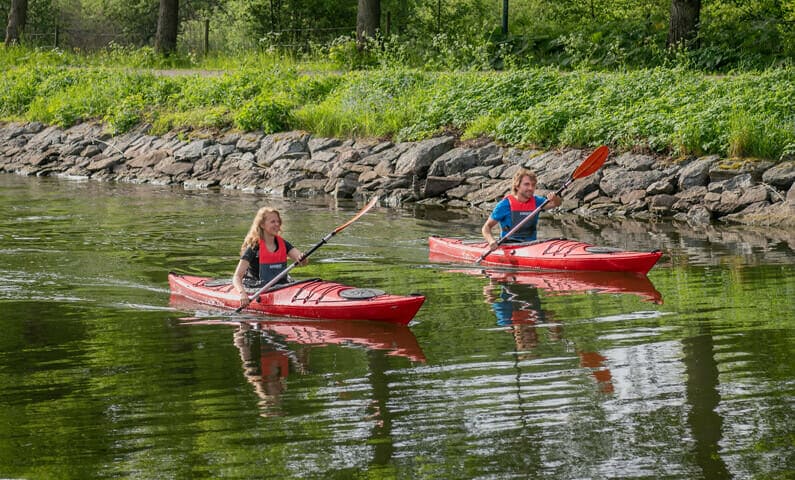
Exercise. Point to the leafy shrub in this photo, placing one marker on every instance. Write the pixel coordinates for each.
(264, 113)
(126, 114)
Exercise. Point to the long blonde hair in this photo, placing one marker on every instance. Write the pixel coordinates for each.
(518, 176)
(255, 232)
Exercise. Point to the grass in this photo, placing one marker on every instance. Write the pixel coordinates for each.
(661, 110)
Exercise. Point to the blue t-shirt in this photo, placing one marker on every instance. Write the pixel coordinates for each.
(502, 214)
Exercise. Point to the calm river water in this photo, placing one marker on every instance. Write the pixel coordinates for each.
(688, 374)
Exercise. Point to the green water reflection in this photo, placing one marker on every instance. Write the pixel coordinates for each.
(686, 374)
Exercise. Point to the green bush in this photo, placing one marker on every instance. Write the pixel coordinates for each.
(126, 114)
(264, 113)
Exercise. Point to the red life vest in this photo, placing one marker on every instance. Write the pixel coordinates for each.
(271, 263)
(519, 211)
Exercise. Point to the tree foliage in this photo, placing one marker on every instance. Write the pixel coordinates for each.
(444, 34)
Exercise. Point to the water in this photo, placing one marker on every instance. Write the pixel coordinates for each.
(688, 374)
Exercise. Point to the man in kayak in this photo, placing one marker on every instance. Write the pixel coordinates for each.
(263, 254)
(515, 207)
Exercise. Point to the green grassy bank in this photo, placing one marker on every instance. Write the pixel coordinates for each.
(660, 110)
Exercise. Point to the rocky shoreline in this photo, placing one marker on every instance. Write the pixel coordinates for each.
(440, 170)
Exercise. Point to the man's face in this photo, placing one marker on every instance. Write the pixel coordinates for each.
(526, 189)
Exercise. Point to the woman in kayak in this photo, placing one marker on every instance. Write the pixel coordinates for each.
(263, 254)
(515, 207)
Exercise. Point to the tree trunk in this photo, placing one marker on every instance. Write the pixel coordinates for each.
(368, 19)
(167, 26)
(17, 16)
(684, 22)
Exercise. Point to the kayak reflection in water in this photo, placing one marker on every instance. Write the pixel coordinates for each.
(272, 350)
(516, 207)
(518, 307)
(263, 254)
(266, 364)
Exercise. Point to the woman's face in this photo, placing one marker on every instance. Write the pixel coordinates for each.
(272, 223)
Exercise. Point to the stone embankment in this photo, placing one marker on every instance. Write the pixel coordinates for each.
(438, 171)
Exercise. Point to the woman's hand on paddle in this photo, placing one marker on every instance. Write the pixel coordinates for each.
(298, 257)
(244, 300)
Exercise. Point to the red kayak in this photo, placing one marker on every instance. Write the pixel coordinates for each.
(555, 254)
(313, 298)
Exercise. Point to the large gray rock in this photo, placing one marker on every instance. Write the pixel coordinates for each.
(781, 176)
(741, 181)
(555, 169)
(435, 186)
(454, 162)
(663, 185)
(418, 158)
(696, 173)
(149, 159)
(319, 144)
(101, 162)
(45, 138)
(289, 145)
(583, 187)
(172, 166)
(726, 169)
(248, 142)
(619, 180)
(191, 151)
(634, 161)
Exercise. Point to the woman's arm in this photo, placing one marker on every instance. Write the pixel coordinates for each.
(237, 281)
(296, 255)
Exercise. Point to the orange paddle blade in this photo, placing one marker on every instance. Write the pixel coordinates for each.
(591, 164)
(364, 210)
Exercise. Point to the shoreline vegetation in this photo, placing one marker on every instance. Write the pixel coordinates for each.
(664, 111)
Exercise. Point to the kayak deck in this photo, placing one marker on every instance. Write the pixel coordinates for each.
(313, 298)
(553, 254)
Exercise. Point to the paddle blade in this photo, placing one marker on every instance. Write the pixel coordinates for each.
(364, 210)
(591, 164)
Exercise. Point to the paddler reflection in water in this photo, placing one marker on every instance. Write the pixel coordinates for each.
(518, 307)
(263, 254)
(520, 312)
(515, 207)
(266, 364)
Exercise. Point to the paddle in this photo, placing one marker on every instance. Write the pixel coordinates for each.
(306, 255)
(591, 164)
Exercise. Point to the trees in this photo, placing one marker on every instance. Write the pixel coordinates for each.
(17, 17)
(167, 27)
(368, 20)
(685, 17)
